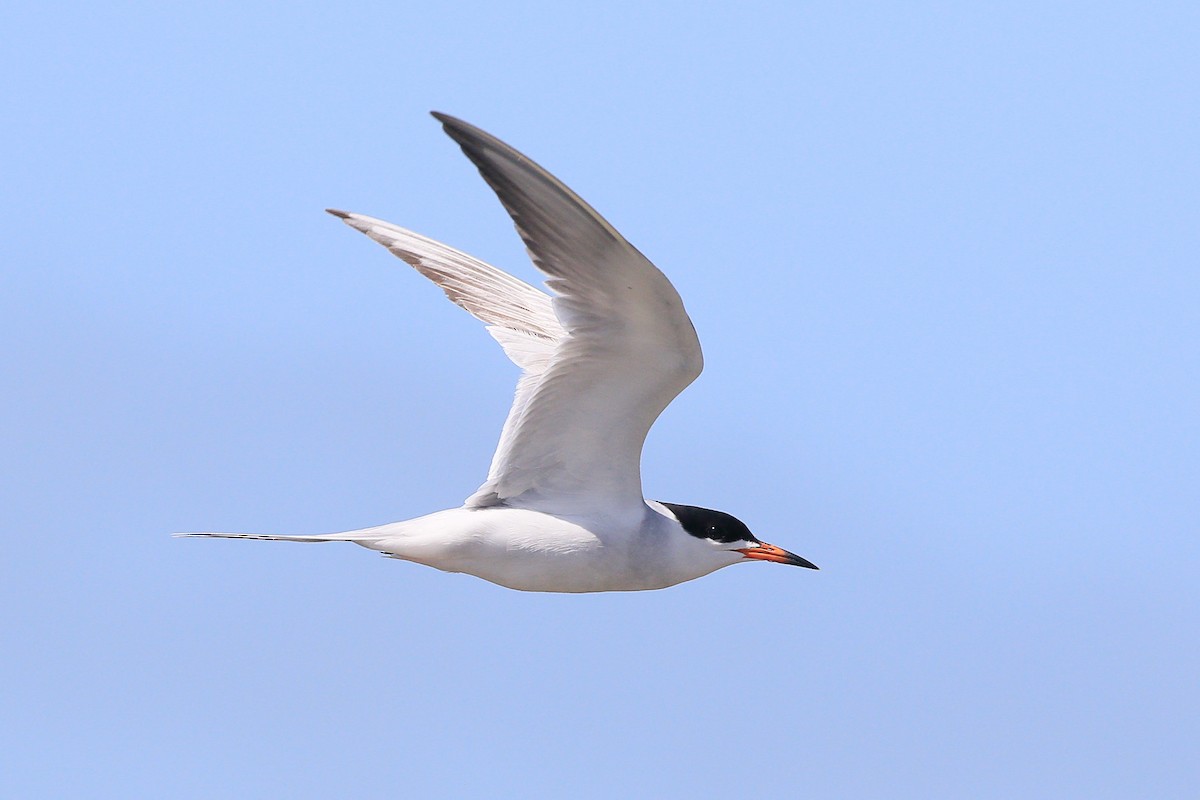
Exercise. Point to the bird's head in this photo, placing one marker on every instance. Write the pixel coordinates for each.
(727, 532)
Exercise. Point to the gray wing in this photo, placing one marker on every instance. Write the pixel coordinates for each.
(518, 316)
(574, 445)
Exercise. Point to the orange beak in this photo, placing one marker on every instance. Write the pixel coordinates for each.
(769, 552)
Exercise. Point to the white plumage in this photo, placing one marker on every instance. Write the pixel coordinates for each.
(562, 507)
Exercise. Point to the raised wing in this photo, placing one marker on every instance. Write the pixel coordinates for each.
(518, 316)
(574, 445)
(514, 311)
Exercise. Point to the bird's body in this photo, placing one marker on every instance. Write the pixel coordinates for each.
(562, 507)
(540, 552)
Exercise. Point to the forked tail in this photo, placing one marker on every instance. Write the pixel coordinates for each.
(320, 537)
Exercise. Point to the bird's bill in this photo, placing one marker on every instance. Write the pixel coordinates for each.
(769, 552)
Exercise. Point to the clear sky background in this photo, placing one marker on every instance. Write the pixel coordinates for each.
(945, 263)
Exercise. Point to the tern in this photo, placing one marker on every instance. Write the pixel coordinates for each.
(562, 507)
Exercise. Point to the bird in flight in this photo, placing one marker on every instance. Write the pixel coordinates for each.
(601, 356)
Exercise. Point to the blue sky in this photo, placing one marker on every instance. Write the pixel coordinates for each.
(943, 261)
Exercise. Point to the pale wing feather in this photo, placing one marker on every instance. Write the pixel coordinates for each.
(488, 294)
(520, 318)
(575, 445)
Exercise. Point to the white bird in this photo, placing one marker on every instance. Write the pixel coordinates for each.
(562, 507)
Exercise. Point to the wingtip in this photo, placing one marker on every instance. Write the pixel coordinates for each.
(448, 119)
(458, 130)
(449, 123)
